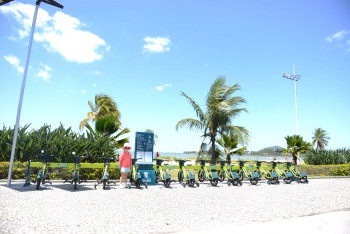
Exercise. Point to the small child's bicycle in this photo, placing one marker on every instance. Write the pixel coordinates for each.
(105, 178)
(43, 175)
(205, 174)
(231, 175)
(186, 175)
(163, 176)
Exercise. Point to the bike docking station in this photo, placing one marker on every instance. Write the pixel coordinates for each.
(142, 168)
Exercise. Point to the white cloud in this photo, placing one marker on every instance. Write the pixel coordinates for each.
(94, 85)
(15, 62)
(156, 44)
(342, 38)
(83, 91)
(44, 72)
(160, 88)
(59, 33)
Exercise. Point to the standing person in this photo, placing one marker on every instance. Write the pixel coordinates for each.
(157, 154)
(124, 165)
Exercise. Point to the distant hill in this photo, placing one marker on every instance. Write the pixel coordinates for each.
(273, 150)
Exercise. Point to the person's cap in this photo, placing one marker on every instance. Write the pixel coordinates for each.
(127, 146)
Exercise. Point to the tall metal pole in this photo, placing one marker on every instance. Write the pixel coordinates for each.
(19, 109)
(21, 94)
(295, 78)
(295, 101)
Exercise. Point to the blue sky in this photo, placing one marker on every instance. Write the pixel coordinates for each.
(144, 53)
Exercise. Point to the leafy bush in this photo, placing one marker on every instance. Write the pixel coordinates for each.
(327, 157)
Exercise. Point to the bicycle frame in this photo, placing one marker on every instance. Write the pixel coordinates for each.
(299, 177)
(204, 174)
(135, 177)
(243, 172)
(184, 174)
(105, 177)
(43, 173)
(161, 175)
(232, 176)
(287, 176)
(271, 176)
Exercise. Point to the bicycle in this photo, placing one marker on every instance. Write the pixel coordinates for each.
(286, 175)
(163, 176)
(43, 175)
(231, 175)
(76, 180)
(205, 174)
(271, 176)
(298, 176)
(105, 178)
(243, 172)
(184, 174)
(135, 177)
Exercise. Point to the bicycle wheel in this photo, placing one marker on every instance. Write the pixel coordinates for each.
(241, 175)
(38, 181)
(221, 176)
(180, 176)
(104, 184)
(138, 183)
(157, 176)
(75, 184)
(201, 175)
(167, 183)
(191, 183)
(254, 181)
(214, 182)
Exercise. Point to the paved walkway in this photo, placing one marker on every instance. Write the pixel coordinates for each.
(322, 206)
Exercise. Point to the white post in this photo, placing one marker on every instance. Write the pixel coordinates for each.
(21, 95)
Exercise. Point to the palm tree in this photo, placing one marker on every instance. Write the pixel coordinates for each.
(221, 109)
(103, 106)
(296, 145)
(320, 138)
(109, 125)
(228, 146)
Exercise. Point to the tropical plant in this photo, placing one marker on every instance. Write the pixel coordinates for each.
(296, 145)
(227, 146)
(110, 126)
(103, 106)
(221, 109)
(320, 138)
(327, 157)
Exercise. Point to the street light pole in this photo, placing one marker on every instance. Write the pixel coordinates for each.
(50, 2)
(295, 78)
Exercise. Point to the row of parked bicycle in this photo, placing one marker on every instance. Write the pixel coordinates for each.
(254, 174)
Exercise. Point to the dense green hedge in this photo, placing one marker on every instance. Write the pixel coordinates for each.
(327, 157)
